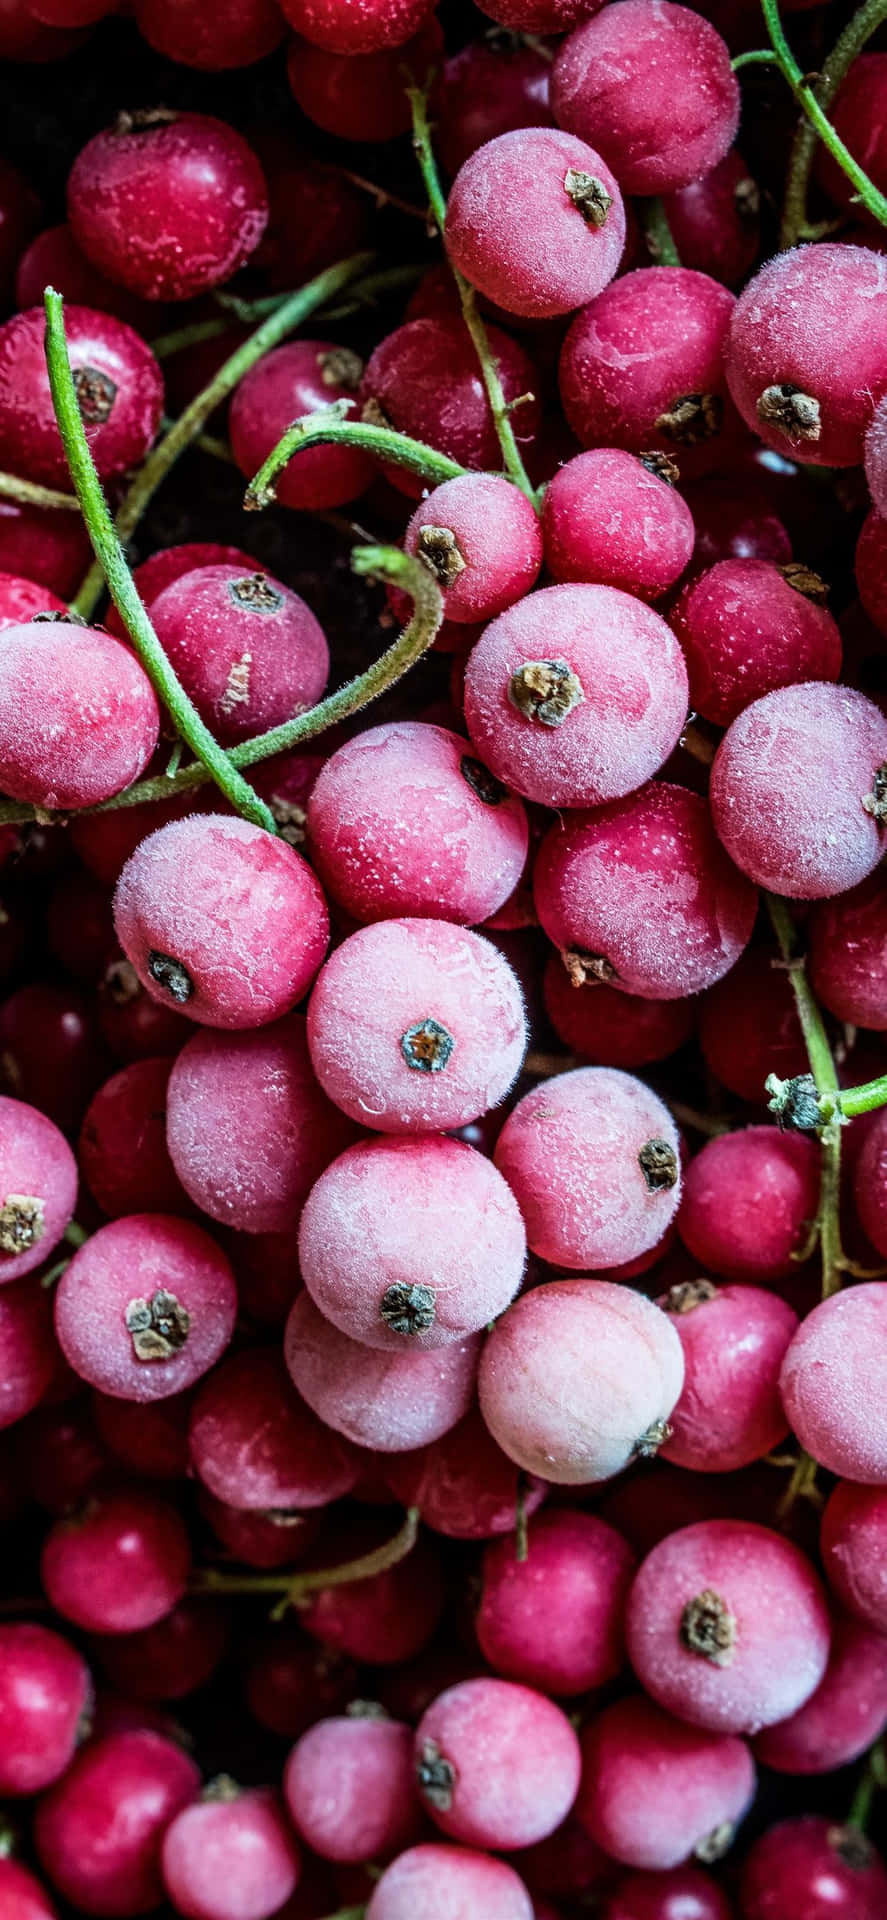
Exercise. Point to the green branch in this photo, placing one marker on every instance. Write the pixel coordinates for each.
(864, 1099)
(833, 72)
(332, 428)
(809, 100)
(296, 1588)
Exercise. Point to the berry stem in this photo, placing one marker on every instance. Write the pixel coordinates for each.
(331, 428)
(658, 234)
(873, 1780)
(802, 1486)
(809, 101)
(295, 1588)
(75, 1235)
(756, 57)
(822, 1066)
(114, 569)
(288, 315)
(28, 494)
(834, 69)
(511, 454)
(864, 1099)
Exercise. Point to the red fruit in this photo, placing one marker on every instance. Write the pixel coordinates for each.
(608, 1028)
(122, 1148)
(50, 1052)
(859, 116)
(463, 1484)
(304, 377)
(290, 1683)
(148, 1438)
(747, 627)
(828, 1380)
(371, 26)
(443, 1883)
(349, 1789)
(610, 517)
(554, 1620)
(257, 1445)
(654, 1791)
(854, 1550)
(173, 1657)
(120, 1565)
(80, 717)
(425, 379)
(845, 1715)
(45, 1704)
(38, 1188)
(749, 1026)
(497, 1765)
(715, 220)
(481, 539)
(20, 214)
(812, 1866)
(23, 37)
(749, 1198)
(734, 1340)
(389, 1402)
(98, 1833)
(49, 546)
(870, 557)
(231, 1857)
(160, 571)
(22, 1896)
(119, 386)
(361, 97)
(848, 957)
(487, 90)
(55, 260)
(234, 34)
(386, 1618)
(680, 1893)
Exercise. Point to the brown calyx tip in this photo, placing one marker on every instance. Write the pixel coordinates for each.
(96, 394)
(257, 593)
(688, 1294)
(366, 1710)
(144, 119)
(662, 464)
(851, 1845)
(427, 1046)
(691, 418)
(482, 781)
(545, 690)
(589, 196)
(435, 1776)
(372, 415)
(290, 817)
(714, 1845)
(875, 802)
(658, 1163)
(222, 1789)
(709, 1628)
(22, 1222)
(647, 1447)
(796, 414)
(62, 617)
(805, 581)
(587, 969)
(169, 973)
(157, 1327)
(340, 367)
(439, 551)
(408, 1310)
(747, 198)
(121, 983)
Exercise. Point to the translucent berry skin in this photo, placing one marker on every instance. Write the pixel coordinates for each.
(24, 1898)
(815, 321)
(20, 599)
(654, 1790)
(248, 1128)
(516, 233)
(554, 1620)
(295, 379)
(608, 518)
(98, 1832)
(623, 719)
(853, 1543)
(746, 630)
(389, 1402)
(876, 457)
(80, 718)
(396, 827)
(36, 1162)
(809, 1865)
(257, 1445)
(844, 1716)
(448, 1883)
(119, 1565)
(870, 560)
(729, 1413)
(715, 221)
(748, 1201)
(121, 402)
(515, 1759)
(349, 1788)
(464, 1486)
(680, 1893)
(45, 1702)
(237, 33)
(572, 1153)
(231, 1859)
(122, 1148)
(486, 91)
(372, 26)
(498, 542)
(241, 913)
(612, 1029)
(170, 209)
(425, 378)
(248, 650)
(643, 886)
(416, 1026)
(775, 1649)
(828, 1384)
(370, 1221)
(361, 96)
(125, 1265)
(537, 1370)
(651, 84)
(848, 955)
(788, 789)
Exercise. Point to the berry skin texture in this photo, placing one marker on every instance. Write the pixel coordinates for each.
(554, 1620)
(806, 352)
(231, 1858)
(361, 96)
(487, 90)
(480, 537)
(119, 387)
(54, 259)
(145, 1307)
(45, 1703)
(448, 1883)
(249, 1130)
(727, 1626)
(79, 718)
(411, 1243)
(845, 1715)
(655, 1791)
(303, 377)
(609, 518)
(745, 630)
(748, 1201)
(576, 695)
(870, 1183)
(876, 457)
(853, 1543)
(236, 33)
(811, 1866)
(795, 790)
(20, 599)
(734, 1340)
(167, 207)
(715, 221)
(535, 221)
(497, 1765)
(402, 820)
(749, 1026)
(416, 1026)
(29, 1357)
(349, 1789)
(593, 1160)
(612, 1029)
(122, 1147)
(641, 895)
(221, 922)
(391, 1402)
(651, 84)
(680, 1893)
(256, 1445)
(372, 26)
(98, 1832)
(464, 1486)
(579, 1378)
(425, 379)
(829, 1384)
(871, 550)
(161, 569)
(119, 1565)
(246, 648)
(23, 1898)
(38, 1187)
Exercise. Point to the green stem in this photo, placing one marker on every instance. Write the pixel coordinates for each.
(822, 1067)
(75, 1235)
(658, 233)
(115, 571)
(499, 406)
(28, 494)
(864, 1099)
(802, 1486)
(166, 344)
(298, 1587)
(874, 1779)
(759, 57)
(348, 1913)
(288, 315)
(809, 101)
(331, 428)
(834, 71)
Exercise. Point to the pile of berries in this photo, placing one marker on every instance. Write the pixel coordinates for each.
(443, 1473)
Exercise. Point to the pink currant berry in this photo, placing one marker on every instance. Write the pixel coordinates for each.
(171, 1659)
(29, 1356)
(447, 1883)
(608, 1028)
(612, 518)
(876, 457)
(579, 1378)
(845, 1715)
(734, 1340)
(497, 1764)
(257, 1445)
(828, 1384)
(362, 96)
(120, 1564)
(45, 1705)
(119, 389)
(317, 215)
(487, 90)
(122, 1148)
(870, 559)
(246, 648)
(746, 627)
(848, 956)
(748, 1201)
(859, 116)
(853, 1543)
(715, 221)
(554, 1620)
(423, 379)
(464, 1486)
(238, 32)
(98, 1832)
(749, 1026)
(38, 1187)
(810, 1865)
(80, 717)
(679, 1893)
(304, 377)
(231, 1855)
(54, 259)
(277, 1538)
(370, 27)
(391, 1402)
(24, 1898)
(21, 599)
(655, 1792)
(480, 537)
(163, 568)
(349, 1788)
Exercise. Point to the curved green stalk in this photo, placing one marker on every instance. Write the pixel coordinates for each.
(808, 100)
(29, 494)
(295, 1588)
(834, 70)
(658, 233)
(333, 428)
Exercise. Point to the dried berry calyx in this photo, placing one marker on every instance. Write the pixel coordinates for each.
(257, 593)
(691, 418)
(435, 1776)
(747, 198)
(805, 581)
(715, 1844)
(223, 1790)
(647, 1447)
(545, 690)
(440, 552)
(169, 973)
(290, 817)
(709, 1628)
(22, 1222)
(659, 1164)
(587, 969)
(688, 1294)
(96, 394)
(852, 1847)
(408, 1309)
(589, 196)
(372, 415)
(875, 802)
(482, 781)
(662, 464)
(427, 1046)
(144, 119)
(795, 1103)
(158, 1327)
(795, 413)
(341, 367)
(121, 983)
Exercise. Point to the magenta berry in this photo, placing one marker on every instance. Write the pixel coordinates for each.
(171, 1659)
(615, 519)
(727, 1626)
(230, 1856)
(276, 1538)
(554, 1620)
(20, 599)
(221, 922)
(827, 1384)
(480, 537)
(464, 1486)
(749, 1027)
(870, 1183)
(386, 1618)
(609, 1028)
(853, 1543)
(149, 1437)
(54, 259)
(29, 1356)
(392, 1402)
(876, 457)
(162, 569)
(119, 389)
(746, 627)
(487, 90)
(361, 96)
(870, 553)
(257, 1445)
(416, 1026)
(734, 1341)
(846, 1713)
(302, 377)
(167, 204)
(247, 650)
(239, 31)
(815, 1867)
(411, 1243)
(424, 380)
(25, 1899)
(715, 221)
(98, 1832)
(496, 1764)
(371, 27)
(45, 1704)
(448, 1883)
(123, 1153)
(80, 717)
(404, 819)
(38, 1187)
(119, 1565)
(536, 1373)
(655, 1792)
(349, 1788)
(848, 956)
(678, 1893)
(748, 1201)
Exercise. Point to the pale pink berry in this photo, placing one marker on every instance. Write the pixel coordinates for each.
(449, 1883)
(844, 1716)
(38, 1187)
(554, 1619)
(349, 1788)
(497, 1764)
(391, 1402)
(655, 1792)
(832, 1384)
(853, 1543)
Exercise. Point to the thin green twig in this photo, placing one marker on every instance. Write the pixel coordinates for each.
(658, 234)
(833, 72)
(294, 1588)
(807, 96)
(28, 494)
(333, 428)
(873, 1780)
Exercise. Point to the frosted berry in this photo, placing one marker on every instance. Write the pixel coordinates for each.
(611, 517)
(853, 1543)
(480, 538)
(748, 1201)
(746, 627)
(349, 1788)
(876, 457)
(161, 569)
(848, 955)
(257, 1445)
(122, 1147)
(118, 1565)
(234, 35)
(870, 556)
(828, 1384)
(391, 1402)
(49, 545)
(98, 1832)
(423, 379)
(554, 1620)
(448, 1883)
(119, 389)
(303, 377)
(846, 1713)
(655, 1792)
(247, 650)
(80, 717)
(734, 1341)
(45, 1705)
(38, 1187)
(231, 1856)
(496, 1764)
